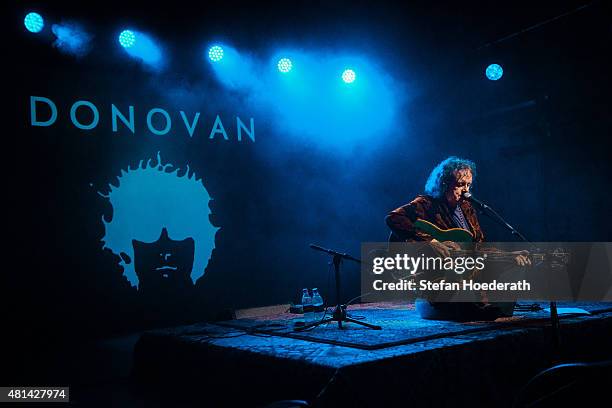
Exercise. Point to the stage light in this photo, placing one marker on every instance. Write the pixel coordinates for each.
(127, 38)
(284, 65)
(215, 53)
(34, 22)
(349, 76)
(313, 103)
(494, 72)
(142, 46)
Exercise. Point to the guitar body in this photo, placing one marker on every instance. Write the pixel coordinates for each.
(468, 311)
(452, 234)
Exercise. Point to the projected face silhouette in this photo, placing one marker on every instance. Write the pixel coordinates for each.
(160, 227)
(164, 265)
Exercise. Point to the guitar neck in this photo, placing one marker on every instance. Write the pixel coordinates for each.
(496, 255)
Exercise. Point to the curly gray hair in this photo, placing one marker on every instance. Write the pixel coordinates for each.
(443, 174)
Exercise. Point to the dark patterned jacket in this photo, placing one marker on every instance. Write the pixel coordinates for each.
(437, 212)
(401, 220)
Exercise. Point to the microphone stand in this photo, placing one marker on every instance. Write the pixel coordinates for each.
(554, 315)
(339, 314)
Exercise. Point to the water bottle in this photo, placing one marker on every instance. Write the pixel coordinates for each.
(307, 306)
(317, 304)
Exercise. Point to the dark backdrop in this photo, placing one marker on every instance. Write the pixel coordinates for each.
(540, 137)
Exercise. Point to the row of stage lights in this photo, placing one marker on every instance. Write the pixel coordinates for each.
(127, 39)
(34, 23)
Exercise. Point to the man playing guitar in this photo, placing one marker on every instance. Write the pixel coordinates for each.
(443, 207)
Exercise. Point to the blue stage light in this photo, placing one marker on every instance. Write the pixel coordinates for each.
(494, 72)
(312, 103)
(34, 22)
(284, 65)
(349, 76)
(144, 47)
(127, 38)
(215, 53)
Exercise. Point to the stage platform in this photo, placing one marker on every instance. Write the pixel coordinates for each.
(410, 362)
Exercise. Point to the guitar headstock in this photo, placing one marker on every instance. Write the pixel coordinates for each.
(557, 258)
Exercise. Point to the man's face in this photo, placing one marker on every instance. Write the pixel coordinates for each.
(164, 266)
(461, 184)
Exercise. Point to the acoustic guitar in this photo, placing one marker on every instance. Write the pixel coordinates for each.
(452, 234)
(558, 256)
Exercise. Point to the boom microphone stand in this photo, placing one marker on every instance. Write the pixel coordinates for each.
(554, 315)
(339, 314)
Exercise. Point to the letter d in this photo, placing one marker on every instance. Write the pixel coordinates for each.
(33, 121)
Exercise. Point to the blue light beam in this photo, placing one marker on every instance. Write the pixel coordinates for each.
(313, 105)
(71, 39)
(233, 69)
(144, 48)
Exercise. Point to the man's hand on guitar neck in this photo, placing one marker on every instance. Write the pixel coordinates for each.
(444, 248)
(522, 258)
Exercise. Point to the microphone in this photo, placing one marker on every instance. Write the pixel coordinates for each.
(334, 253)
(468, 196)
(492, 213)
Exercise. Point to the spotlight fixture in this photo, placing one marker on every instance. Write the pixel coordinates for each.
(349, 76)
(284, 65)
(215, 53)
(127, 38)
(34, 22)
(494, 72)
